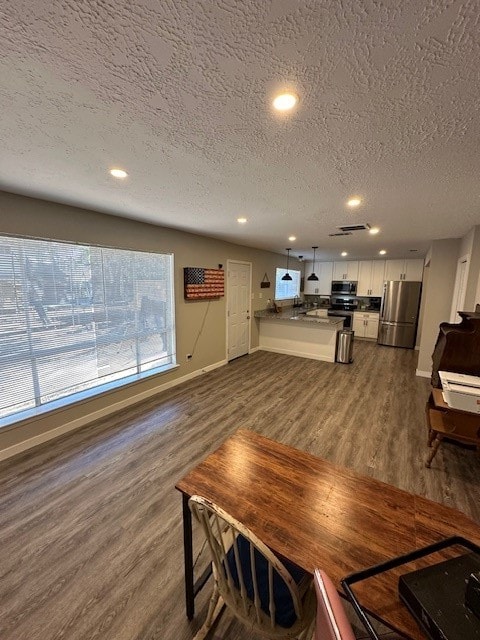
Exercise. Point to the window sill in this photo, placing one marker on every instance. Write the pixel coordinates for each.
(82, 396)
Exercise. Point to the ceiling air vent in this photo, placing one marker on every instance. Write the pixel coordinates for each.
(355, 227)
(340, 233)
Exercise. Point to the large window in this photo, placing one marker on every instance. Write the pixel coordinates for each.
(286, 288)
(74, 318)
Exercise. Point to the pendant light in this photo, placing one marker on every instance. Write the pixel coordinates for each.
(287, 276)
(312, 277)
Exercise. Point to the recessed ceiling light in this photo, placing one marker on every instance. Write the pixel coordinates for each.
(382, 252)
(285, 101)
(374, 230)
(241, 220)
(118, 173)
(344, 253)
(353, 202)
(292, 238)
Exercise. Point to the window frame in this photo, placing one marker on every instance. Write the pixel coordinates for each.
(279, 272)
(110, 386)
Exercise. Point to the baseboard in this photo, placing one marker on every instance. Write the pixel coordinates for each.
(299, 354)
(253, 349)
(103, 413)
(423, 374)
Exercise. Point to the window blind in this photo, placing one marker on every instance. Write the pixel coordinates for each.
(74, 317)
(285, 289)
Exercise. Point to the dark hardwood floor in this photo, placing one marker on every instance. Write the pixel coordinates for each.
(91, 532)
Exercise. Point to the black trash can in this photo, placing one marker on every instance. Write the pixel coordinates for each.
(345, 346)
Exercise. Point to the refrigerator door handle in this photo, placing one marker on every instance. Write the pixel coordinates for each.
(383, 301)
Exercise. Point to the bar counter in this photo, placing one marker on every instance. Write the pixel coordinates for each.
(294, 333)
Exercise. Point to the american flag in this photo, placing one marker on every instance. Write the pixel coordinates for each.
(201, 284)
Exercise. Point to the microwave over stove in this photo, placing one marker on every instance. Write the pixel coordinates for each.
(344, 287)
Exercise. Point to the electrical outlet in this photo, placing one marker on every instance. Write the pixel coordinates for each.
(260, 295)
(189, 356)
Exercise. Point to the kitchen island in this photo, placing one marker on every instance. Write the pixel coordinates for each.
(298, 334)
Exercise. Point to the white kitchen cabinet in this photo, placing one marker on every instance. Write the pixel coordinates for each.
(409, 270)
(414, 270)
(323, 286)
(365, 324)
(308, 288)
(346, 270)
(370, 277)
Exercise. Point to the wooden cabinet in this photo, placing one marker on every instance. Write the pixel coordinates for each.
(445, 422)
(457, 348)
(370, 278)
(323, 286)
(411, 270)
(365, 324)
(347, 270)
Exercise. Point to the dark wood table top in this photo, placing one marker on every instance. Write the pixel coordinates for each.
(319, 514)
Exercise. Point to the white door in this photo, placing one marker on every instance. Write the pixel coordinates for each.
(460, 289)
(238, 308)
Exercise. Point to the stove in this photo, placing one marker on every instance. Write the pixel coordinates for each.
(343, 308)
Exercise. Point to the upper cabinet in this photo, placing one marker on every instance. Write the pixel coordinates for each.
(347, 270)
(324, 272)
(411, 270)
(370, 277)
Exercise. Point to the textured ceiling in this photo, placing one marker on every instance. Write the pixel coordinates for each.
(178, 93)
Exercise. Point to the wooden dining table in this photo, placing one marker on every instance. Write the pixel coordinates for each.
(318, 514)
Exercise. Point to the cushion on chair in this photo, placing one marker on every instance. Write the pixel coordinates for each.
(285, 615)
(332, 622)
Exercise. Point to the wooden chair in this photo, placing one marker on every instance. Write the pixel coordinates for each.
(269, 594)
(332, 622)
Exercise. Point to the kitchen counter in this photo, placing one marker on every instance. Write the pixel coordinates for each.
(294, 333)
(295, 315)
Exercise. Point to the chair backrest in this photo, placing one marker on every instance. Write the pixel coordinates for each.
(332, 622)
(263, 590)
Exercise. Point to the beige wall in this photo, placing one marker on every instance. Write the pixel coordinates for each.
(439, 280)
(42, 219)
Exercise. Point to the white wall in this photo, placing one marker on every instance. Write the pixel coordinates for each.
(437, 297)
(471, 244)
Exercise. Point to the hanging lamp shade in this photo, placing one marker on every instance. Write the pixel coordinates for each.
(313, 277)
(287, 276)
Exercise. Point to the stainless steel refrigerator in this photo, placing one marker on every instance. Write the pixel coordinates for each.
(399, 313)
